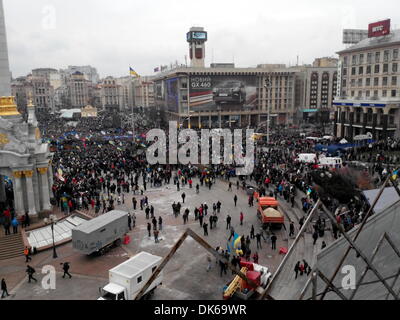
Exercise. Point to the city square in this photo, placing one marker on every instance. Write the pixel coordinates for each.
(202, 183)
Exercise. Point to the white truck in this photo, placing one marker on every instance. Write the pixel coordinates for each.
(128, 278)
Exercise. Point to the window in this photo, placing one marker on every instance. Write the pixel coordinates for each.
(352, 93)
(368, 69)
(376, 82)
(386, 56)
(377, 57)
(395, 54)
(353, 71)
(367, 93)
(345, 71)
(376, 70)
(368, 82)
(385, 67)
(360, 82)
(384, 81)
(394, 93)
(353, 82)
(345, 61)
(361, 58)
(384, 93)
(376, 94)
(360, 70)
(354, 60)
(139, 279)
(394, 67)
(394, 81)
(344, 83)
(369, 58)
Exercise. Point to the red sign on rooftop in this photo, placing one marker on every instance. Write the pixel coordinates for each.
(378, 29)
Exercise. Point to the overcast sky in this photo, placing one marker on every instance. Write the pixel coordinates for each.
(112, 35)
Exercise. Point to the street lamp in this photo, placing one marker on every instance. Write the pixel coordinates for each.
(267, 87)
(53, 220)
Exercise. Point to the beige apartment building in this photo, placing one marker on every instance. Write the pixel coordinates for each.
(78, 89)
(144, 92)
(368, 98)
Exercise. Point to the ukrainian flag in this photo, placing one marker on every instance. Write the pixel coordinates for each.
(235, 244)
(133, 72)
(395, 175)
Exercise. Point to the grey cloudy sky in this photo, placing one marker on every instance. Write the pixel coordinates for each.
(112, 35)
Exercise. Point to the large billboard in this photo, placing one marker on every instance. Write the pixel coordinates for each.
(172, 95)
(228, 92)
(378, 29)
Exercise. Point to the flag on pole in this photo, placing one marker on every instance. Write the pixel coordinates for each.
(133, 73)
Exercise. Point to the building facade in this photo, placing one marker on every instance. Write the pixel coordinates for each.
(89, 73)
(234, 97)
(111, 95)
(78, 90)
(144, 92)
(368, 98)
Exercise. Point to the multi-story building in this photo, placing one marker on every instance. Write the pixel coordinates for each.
(78, 90)
(209, 97)
(111, 95)
(89, 73)
(36, 87)
(127, 92)
(320, 86)
(144, 92)
(368, 98)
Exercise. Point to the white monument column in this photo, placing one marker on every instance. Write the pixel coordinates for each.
(45, 188)
(29, 190)
(5, 75)
(18, 198)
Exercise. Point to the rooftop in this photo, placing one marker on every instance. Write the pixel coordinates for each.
(369, 43)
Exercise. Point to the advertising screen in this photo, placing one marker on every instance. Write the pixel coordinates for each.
(379, 29)
(196, 35)
(172, 95)
(228, 92)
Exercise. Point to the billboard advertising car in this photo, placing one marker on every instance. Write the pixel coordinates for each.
(208, 92)
(378, 29)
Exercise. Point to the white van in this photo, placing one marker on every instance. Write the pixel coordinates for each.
(307, 157)
(331, 162)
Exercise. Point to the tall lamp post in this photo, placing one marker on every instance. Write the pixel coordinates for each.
(267, 87)
(52, 220)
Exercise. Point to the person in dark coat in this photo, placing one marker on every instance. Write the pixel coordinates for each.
(129, 222)
(205, 226)
(30, 271)
(273, 241)
(4, 289)
(297, 269)
(66, 267)
(149, 229)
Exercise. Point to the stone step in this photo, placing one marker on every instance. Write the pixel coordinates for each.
(11, 246)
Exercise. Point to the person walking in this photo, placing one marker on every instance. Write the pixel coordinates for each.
(232, 234)
(129, 222)
(27, 220)
(241, 218)
(197, 188)
(255, 257)
(205, 226)
(183, 197)
(134, 202)
(291, 229)
(297, 269)
(160, 221)
(201, 219)
(208, 263)
(323, 245)
(315, 237)
(258, 238)
(228, 222)
(27, 254)
(147, 213)
(252, 232)
(7, 227)
(30, 271)
(230, 186)
(4, 291)
(66, 267)
(149, 229)
(15, 224)
(273, 241)
(235, 198)
(156, 233)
